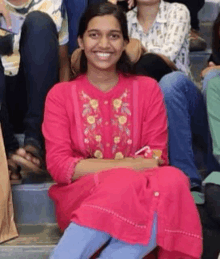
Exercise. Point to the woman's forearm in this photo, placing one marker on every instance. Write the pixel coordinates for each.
(93, 165)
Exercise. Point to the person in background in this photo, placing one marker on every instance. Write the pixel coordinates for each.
(163, 29)
(197, 43)
(32, 60)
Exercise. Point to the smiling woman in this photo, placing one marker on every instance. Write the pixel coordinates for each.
(106, 148)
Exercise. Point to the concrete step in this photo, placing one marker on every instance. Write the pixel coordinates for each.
(32, 204)
(34, 242)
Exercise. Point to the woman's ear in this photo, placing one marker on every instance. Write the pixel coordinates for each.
(80, 42)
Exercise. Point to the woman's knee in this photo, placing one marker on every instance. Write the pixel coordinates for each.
(174, 178)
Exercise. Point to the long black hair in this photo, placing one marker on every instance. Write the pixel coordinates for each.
(124, 64)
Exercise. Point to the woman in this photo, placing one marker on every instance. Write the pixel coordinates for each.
(106, 138)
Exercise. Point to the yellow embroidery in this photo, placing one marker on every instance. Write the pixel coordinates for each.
(122, 120)
(91, 119)
(116, 140)
(94, 103)
(98, 154)
(98, 138)
(119, 155)
(117, 103)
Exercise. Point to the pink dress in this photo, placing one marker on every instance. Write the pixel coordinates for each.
(82, 122)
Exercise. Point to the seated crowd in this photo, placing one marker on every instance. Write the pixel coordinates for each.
(117, 135)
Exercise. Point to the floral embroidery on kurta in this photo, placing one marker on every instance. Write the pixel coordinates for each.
(93, 125)
(92, 121)
(121, 122)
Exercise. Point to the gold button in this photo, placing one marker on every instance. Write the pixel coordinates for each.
(106, 123)
(105, 102)
(107, 145)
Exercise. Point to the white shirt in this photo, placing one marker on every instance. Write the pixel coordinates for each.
(169, 34)
(54, 9)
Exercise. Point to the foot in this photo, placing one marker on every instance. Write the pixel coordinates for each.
(197, 43)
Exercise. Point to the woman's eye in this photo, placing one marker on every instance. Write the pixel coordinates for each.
(93, 35)
(114, 36)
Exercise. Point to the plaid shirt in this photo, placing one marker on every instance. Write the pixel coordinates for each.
(54, 9)
(169, 34)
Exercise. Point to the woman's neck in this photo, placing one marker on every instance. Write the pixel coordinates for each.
(103, 80)
(146, 14)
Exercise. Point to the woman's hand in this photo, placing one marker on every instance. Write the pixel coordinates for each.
(130, 3)
(4, 11)
(210, 67)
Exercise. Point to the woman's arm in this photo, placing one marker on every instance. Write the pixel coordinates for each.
(154, 127)
(94, 165)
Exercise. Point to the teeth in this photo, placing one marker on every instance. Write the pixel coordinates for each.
(104, 55)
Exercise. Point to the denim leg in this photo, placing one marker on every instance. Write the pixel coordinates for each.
(10, 142)
(211, 74)
(182, 98)
(79, 242)
(75, 9)
(40, 61)
(117, 249)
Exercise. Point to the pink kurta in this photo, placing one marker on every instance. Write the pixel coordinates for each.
(83, 122)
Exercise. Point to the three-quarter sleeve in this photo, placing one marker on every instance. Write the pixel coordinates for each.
(177, 30)
(154, 126)
(61, 157)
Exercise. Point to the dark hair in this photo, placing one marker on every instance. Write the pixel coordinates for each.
(124, 64)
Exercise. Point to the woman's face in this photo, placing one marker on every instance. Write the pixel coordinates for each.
(103, 42)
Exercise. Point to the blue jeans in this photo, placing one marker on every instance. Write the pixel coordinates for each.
(187, 117)
(75, 9)
(81, 243)
(25, 93)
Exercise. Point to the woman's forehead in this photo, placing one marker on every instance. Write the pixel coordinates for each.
(105, 23)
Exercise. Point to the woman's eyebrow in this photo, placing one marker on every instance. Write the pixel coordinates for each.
(96, 30)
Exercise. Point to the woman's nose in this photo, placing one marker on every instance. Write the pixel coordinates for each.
(104, 42)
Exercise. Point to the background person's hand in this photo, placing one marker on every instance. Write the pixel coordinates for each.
(130, 3)
(211, 66)
(4, 11)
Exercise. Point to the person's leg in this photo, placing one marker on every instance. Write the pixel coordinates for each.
(11, 144)
(183, 100)
(74, 11)
(117, 249)
(79, 242)
(40, 61)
